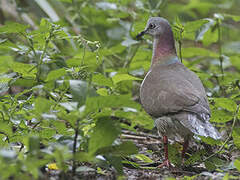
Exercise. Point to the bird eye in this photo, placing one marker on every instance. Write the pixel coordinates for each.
(151, 26)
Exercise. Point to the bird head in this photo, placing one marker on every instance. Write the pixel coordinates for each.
(156, 26)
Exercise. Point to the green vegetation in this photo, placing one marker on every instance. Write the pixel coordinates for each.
(70, 72)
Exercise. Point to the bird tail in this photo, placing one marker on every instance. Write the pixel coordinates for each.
(198, 126)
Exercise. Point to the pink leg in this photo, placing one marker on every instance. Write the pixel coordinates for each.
(166, 162)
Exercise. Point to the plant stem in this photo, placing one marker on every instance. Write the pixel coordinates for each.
(220, 47)
(180, 49)
(75, 148)
(48, 39)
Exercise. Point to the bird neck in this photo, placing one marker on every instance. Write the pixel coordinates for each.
(164, 51)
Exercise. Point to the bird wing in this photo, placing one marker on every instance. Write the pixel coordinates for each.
(173, 88)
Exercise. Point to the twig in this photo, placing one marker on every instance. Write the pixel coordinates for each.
(140, 134)
(229, 136)
(74, 166)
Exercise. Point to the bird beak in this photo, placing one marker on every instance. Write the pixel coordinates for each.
(141, 34)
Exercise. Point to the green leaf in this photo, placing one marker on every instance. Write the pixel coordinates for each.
(5, 128)
(210, 141)
(143, 158)
(193, 52)
(124, 149)
(42, 105)
(116, 161)
(233, 17)
(123, 77)
(13, 27)
(83, 157)
(236, 137)
(74, 62)
(24, 82)
(237, 164)
(5, 63)
(101, 80)
(173, 153)
(93, 104)
(47, 133)
(104, 133)
(226, 103)
(235, 60)
(195, 157)
(221, 116)
(55, 74)
(80, 90)
(210, 165)
(194, 25)
(26, 70)
(102, 91)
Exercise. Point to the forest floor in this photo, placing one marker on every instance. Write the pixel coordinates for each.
(151, 146)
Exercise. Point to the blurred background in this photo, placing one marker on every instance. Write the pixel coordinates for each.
(58, 57)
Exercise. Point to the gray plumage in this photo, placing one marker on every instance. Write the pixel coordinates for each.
(173, 94)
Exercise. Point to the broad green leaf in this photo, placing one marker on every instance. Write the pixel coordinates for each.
(74, 62)
(235, 60)
(33, 144)
(116, 161)
(5, 128)
(236, 137)
(210, 37)
(101, 80)
(237, 164)
(13, 27)
(123, 77)
(5, 63)
(104, 133)
(190, 28)
(55, 74)
(124, 149)
(26, 70)
(42, 105)
(47, 133)
(83, 157)
(233, 17)
(80, 90)
(102, 92)
(93, 104)
(24, 82)
(226, 176)
(221, 116)
(226, 103)
(193, 52)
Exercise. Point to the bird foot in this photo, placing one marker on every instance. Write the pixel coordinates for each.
(165, 163)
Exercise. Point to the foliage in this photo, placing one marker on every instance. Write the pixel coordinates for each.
(70, 72)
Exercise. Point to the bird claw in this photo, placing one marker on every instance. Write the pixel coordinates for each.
(165, 163)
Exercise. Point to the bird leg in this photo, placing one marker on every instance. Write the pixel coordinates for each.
(166, 162)
(185, 146)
